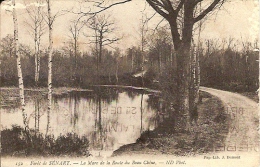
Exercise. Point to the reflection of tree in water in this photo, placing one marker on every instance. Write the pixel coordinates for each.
(97, 133)
(132, 93)
(100, 138)
(157, 104)
(99, 111)
(107, 94)
(38, 101)
(37, 115)
(74, 111)
(48, 121)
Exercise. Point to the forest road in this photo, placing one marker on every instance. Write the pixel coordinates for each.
(244, 121)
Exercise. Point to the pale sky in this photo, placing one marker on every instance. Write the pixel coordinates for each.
(239, 19)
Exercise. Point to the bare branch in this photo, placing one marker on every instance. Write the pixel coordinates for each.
(208, 9)
(154, 5)
(156, 27)
(110, 41)
(103, 8)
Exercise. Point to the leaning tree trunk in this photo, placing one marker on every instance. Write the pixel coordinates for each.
(50, 49)
(19, 68)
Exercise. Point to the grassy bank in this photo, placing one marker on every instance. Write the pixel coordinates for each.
(212, 128)
(17, 142)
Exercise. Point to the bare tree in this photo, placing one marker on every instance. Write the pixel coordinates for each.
(118, 58)
(50, 18)
(75, 28)
(143, 34)
(103, 27)
(37, 26)
(161, 43)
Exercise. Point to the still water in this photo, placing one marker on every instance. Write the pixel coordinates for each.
(108, 117)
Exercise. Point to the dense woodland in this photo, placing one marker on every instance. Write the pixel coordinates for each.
(222, 65)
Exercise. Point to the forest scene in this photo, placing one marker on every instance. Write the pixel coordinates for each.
(110, 78)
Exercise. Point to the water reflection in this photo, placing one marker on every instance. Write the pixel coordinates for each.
(108, 117)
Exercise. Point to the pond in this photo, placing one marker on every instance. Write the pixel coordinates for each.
(108, 117)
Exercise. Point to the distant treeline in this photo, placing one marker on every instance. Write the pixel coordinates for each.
(65, 72)
(227, 68)
(230, 70)
(222, 65)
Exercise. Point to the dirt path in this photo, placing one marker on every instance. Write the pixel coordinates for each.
(243, 134)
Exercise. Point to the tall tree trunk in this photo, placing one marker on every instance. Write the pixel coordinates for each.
(181, 65)
(198, 61)
(36, 60)
(193, 83)
(182, 119)
(76, 63)
(198, 72)
(39, 31)
(38, 63)
(100, 47)
(19, 68)
(182, 47)
(50, 50)
(99, 58)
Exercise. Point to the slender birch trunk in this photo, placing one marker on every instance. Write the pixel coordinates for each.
(38, 29)
(19, 68)
(197, 72)
(38, 39)
(50, 49)
(38, 34)
(35, 51)
(36, 78)
(198, 61)
(38, 63)
(193, 81)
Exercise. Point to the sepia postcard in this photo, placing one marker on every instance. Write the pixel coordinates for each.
(129, 83)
